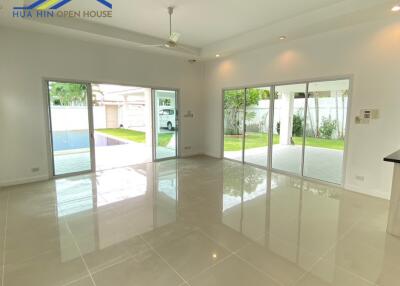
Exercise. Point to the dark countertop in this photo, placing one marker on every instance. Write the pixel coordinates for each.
(395, 157)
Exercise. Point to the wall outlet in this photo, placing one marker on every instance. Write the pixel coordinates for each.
(361, 120)
(188, 114)
(360, 178)
(188, 147)
(35, 170)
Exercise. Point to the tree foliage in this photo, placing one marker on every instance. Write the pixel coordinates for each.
(67, 94)
(234, 103)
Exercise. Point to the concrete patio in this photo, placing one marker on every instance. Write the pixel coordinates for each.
(108, 157)
(319, 163)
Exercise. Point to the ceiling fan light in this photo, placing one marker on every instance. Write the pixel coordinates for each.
(396, 8)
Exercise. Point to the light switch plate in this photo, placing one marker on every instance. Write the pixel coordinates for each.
(369, 113)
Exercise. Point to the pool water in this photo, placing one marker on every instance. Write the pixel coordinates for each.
(79, 139)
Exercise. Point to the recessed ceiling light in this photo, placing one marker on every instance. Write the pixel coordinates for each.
(217, 55)
(396, 8)
(282, 38)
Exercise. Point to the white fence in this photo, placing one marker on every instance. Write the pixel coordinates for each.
(328, 108)
(76, 118)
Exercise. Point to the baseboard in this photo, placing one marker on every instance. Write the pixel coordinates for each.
(191, 154)
(371, 192)
(11, 183)
(211, 155)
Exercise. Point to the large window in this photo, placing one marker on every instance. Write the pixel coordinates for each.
(305, 133)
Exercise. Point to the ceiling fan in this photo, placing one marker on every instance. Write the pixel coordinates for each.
(173, 39)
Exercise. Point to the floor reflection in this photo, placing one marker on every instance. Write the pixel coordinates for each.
(113, 206)
(146, 222)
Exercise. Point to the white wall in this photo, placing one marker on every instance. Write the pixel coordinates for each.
(27, 57)
(99, 117)
(76, 118)
(369, 52)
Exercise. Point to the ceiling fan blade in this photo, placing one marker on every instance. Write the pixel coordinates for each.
(149, 46)
(185, 49)
(174, 37)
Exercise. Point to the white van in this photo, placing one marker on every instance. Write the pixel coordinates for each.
(167, 119)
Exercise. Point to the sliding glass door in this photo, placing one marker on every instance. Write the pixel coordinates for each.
(122, 135)
(234, 101)
(289, 108)
(70, 127)
(165, 124)
(305, 134)
(326, 130)
(257, 117)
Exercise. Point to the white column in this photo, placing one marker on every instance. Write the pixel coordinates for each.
(124, 116)
(147, 116)
(393, 226)
(286, 118)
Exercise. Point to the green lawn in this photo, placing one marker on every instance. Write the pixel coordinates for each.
(254, 140)
(136, 136)
(164, 139)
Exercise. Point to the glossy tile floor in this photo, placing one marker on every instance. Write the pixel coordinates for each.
(197, 221)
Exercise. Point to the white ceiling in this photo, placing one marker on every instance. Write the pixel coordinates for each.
(210, 26)
(203, 22)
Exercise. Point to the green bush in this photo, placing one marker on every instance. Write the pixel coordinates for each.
(297, 125)
(297, 130)
(327, 128)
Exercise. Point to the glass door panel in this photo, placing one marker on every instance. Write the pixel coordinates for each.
(69, 121)
(258, 103)
(234, 101)
(288, 127)
(325, 130)
(165, 124)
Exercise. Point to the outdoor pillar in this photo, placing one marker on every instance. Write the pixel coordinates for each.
(286, 118)
(147, 116)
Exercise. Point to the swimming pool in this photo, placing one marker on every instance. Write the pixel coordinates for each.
(79, 139)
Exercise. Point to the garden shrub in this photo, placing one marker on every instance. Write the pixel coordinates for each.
(297, 126)
(327, 128)
(297, 130)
